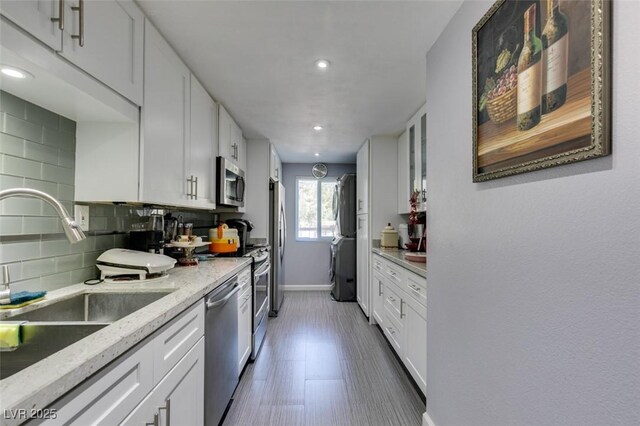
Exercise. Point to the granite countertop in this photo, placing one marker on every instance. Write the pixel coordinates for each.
(397, 256)
(42, 383)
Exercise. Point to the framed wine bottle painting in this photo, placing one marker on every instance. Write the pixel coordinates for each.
(541, 85)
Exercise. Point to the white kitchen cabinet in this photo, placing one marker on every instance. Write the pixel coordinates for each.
(35, 17)
(275, 165)
(404, 189)
(203, 147)
(179, 397)
(377, 292)
(165, 123)
(245, 296)
(112, 35)
(362, 180)
(230, 139)
(362, 268)
(415, 341)
(415, 160)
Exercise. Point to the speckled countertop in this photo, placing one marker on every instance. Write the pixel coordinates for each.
(397, 257)
(42, 383)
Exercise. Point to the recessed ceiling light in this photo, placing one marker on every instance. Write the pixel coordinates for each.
(317, 154)
(317, 127)
(322, 63)
(15, 72)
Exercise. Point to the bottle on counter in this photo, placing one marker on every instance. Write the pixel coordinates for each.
(529, 74)
(555, 57)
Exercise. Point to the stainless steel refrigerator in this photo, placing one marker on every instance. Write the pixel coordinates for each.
(277, 239)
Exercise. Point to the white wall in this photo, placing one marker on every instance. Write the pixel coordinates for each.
(305, 262)
(533, 280)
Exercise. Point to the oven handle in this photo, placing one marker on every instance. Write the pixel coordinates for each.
(265, 272)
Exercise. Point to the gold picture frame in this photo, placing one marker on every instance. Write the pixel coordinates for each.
(504, 144)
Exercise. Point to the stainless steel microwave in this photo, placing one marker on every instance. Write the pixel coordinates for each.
(230, 184)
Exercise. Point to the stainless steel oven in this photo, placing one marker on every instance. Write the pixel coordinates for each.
(230, 183)
(261, 275)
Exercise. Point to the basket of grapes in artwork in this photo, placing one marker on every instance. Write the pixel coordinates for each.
(502, 99)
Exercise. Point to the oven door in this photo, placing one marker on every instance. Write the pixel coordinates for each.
(231, 184)
(262, 272)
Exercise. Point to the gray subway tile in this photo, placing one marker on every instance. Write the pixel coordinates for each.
(22, 129)
(38, 268)
(50, 188)
(81, 275)
(104, 242)
(21, 167)
(90, 258)
(20, 206)
(65, 192)
(67, 125)
(8, 182)
(11, 145)
(66, 159)
(40, 225)
(97, 223)
(12, 104)
(55, 248)
(41, 116)
(16, 252)
(69, 263)
(57, 174)
(61, 140)
(38, 152)
(120, 241)
(10, 225)
(83, 246)
(27, 285)
(55, 281)
(103, 210)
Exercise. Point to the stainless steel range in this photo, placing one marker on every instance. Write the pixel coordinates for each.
(261, 268)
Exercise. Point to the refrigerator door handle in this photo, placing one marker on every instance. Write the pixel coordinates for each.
(283, 232)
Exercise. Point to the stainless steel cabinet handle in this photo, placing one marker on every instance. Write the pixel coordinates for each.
(401, 310)
(424, 195)
(80, 10)
(168, 408)
(224, 300)
(195, 194)
(414, 287)
(60, 18)
(190, 189)
(379, 288)
(392, 299)
(359, 204)
(155, 421)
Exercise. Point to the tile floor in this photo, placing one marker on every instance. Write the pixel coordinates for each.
(322, 364)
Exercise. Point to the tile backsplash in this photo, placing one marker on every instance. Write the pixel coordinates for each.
(37, 150)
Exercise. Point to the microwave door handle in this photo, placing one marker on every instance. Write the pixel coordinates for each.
(240, 188)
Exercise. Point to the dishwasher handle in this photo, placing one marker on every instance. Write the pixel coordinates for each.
(211, 304)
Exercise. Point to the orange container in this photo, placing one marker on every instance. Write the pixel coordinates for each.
(223, 240)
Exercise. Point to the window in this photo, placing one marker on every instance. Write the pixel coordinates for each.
(314, 208)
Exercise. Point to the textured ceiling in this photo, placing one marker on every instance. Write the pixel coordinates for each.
(257, 58)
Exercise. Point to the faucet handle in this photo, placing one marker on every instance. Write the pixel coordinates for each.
(6, 278)
(5, 289)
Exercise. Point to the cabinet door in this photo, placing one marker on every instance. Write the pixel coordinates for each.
(113, 34)
(362, 247)
(377, 296)
(203, 146)
(244, 328)
(34, 16)
(101, 399)
(179, 397)
(165, 123)
(404, 207)
(362, 180)
(224, 134)
(415, 342)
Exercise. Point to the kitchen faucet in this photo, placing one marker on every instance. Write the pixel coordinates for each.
(71, 228)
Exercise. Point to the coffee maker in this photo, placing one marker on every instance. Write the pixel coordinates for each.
(244, 228)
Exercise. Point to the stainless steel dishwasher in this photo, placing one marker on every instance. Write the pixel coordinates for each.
(221, 349)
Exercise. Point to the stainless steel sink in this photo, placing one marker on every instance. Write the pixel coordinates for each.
(95, 307)
(41, 339)
(56, 326)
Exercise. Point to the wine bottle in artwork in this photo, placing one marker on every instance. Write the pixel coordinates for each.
(529, 74)
(555, 53)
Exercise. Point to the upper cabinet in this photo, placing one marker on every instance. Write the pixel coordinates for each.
(412, 160)
(103, 38)
(275, 165)
(362, 181)
(230, 139)
(203, 147)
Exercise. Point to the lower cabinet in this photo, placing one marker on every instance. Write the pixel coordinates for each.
(245, 300)
(399, 308)
(162, 376)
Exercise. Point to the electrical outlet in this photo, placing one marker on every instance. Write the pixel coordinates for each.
(82, 216)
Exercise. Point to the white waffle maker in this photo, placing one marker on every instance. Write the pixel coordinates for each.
(123, 263)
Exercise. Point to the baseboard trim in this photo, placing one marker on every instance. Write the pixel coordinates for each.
(308, 287)
(426, 420)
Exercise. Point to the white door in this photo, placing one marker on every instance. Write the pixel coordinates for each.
(165, 123)
(112, 35)
(362, 247)
(362, 171)
(203, 146)
(35, 17)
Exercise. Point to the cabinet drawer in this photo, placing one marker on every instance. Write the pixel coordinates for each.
(393, 301)
(416, 287)
(393, 331)
(176, 338)
(378, 263)
(394, 272)
(244, 277)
